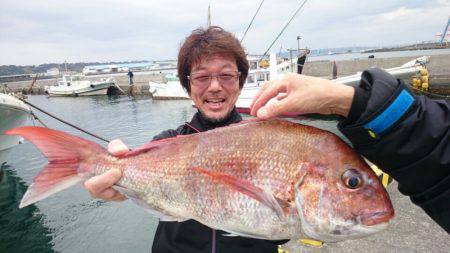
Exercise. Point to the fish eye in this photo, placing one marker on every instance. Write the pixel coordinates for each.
(352, 179)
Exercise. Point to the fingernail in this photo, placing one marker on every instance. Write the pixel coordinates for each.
(262, 113)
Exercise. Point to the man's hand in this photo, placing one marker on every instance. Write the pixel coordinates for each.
(101, 186)
(300, 94)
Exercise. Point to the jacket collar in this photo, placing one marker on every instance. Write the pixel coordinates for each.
(202, 124)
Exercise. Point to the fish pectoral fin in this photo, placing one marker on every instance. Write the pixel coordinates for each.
(133, 196)
(268, 199)
(125, 191)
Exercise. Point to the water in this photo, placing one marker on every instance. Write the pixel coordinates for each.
(71, 221)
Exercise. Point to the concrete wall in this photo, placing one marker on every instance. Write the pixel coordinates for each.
(439, 65)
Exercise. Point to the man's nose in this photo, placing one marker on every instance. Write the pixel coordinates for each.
(215, 85)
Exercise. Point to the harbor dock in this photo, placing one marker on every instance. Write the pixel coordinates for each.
(439, 76)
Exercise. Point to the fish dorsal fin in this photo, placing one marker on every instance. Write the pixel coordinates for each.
(247, 188)
(133, 196)
(149, 146)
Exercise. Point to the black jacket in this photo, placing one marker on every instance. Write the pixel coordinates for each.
(192, 236)
(406, 135)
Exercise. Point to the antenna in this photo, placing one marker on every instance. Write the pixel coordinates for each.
(208, 22)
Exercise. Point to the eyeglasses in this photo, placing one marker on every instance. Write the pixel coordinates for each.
(228, 78)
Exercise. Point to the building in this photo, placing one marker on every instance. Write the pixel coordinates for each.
(116, 68)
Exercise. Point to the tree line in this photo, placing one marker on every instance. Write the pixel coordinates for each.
(9, 70)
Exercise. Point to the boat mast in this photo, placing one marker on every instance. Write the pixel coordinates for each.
(208, 21)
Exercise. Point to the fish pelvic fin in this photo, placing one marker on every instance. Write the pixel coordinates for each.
(268, 199)
(64, 152)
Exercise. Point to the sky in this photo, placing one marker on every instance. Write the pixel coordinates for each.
(34, 32)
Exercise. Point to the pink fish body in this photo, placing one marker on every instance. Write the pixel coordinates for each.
(263, 179)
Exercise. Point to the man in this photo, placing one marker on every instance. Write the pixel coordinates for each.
(407, 135)
(130, 76)
(212, 67)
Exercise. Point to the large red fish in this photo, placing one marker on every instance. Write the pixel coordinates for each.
(263, 179)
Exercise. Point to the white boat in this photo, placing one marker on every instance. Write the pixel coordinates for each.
(13, 113)
(404, 72)
(78, 85)
(256, 78)
(170, 89)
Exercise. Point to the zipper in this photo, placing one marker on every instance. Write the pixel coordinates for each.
(213, 243)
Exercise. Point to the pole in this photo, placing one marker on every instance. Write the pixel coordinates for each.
(290, 53)
(298, 45)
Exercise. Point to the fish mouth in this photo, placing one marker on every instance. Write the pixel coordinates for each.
(371, 219)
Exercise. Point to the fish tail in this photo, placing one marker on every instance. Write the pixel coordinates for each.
(65, 154)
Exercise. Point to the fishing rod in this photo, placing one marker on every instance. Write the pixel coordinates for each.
(63, 121)
(251, 22)
(284, 28)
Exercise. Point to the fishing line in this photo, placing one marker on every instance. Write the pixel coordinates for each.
(63, 121)
(284, 28)
(251, 22)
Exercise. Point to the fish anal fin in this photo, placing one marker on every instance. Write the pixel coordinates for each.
(233, 233)
(278, 205)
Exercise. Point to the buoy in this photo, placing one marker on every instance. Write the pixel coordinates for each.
(424, 72)
(416, 82)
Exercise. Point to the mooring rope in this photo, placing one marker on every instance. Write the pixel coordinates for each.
(38, 119)
(284, 28)
(63, 121)
(251, 22)
(431, 93)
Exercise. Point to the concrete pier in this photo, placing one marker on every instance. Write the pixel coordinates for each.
(438, 67)
(140, 81)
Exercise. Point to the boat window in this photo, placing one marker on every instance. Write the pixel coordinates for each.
(260, 77)
(250, 79)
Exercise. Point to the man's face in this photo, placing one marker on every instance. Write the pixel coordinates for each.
(215, 99)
